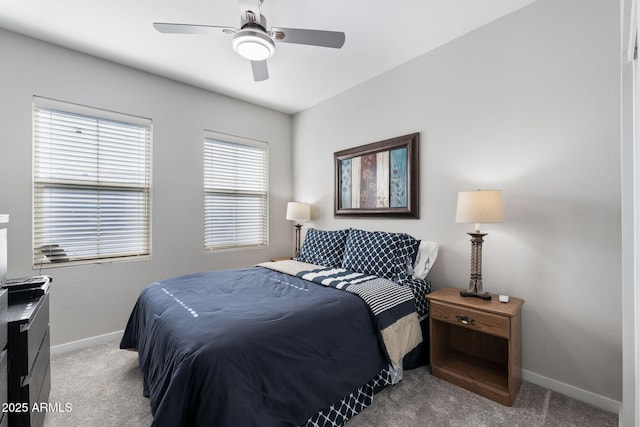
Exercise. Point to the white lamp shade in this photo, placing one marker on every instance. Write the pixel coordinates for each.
(298, 211)
(480, 207)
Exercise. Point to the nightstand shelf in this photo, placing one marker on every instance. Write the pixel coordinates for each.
(480, 376)
(475, 344)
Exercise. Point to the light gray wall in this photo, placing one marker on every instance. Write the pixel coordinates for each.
(88, 301)
(630, 413)
(529, 104)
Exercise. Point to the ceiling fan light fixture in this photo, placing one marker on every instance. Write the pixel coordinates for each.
(253, 45)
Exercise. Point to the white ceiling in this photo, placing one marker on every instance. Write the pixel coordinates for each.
(380, 35)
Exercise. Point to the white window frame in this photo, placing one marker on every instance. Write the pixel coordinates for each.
(109, 232)
(234, 240)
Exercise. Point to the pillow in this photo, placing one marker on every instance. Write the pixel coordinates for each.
(323, 247)
(372, 252)
(427, 254)
(406, 253)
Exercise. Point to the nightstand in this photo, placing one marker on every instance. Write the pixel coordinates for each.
(476, 344)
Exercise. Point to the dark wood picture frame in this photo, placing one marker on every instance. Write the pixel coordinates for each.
(379, 179)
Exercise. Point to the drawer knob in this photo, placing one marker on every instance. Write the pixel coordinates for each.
(465, 320)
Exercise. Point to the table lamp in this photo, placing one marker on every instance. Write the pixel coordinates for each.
(298, 211)
(478, 207)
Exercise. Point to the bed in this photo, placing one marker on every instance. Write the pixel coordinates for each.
(292, 343)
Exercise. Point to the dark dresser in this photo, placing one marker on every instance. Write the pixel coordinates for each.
(29, 376)
(4, 417)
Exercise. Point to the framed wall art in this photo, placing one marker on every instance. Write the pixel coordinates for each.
(379, 179)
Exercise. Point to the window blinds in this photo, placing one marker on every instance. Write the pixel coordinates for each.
(91, 183)
(235, 193)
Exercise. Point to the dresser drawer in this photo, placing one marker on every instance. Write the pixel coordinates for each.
(25, 337)
(489, 323)
(32, 385)
(37, 418)
(36, 330)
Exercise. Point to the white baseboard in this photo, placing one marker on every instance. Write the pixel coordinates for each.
(85, 343)
(577, 393)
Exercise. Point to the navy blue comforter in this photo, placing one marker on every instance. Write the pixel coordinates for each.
(249, 347)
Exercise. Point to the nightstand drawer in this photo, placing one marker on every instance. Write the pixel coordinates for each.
(469, 318)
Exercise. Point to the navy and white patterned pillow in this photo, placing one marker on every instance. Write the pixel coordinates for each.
(371, 252)
(406, 253)
(421, 288)
(323, 247)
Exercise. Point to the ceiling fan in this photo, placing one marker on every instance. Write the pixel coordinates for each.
(253, 41)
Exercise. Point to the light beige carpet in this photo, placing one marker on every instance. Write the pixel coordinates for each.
(103, 384)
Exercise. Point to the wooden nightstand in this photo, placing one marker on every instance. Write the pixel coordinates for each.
(476, 344)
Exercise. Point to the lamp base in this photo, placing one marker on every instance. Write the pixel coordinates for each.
(485, 296)
(475, 281)
(297, 250)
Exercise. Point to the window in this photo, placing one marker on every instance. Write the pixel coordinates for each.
(235, 192)
(91, 184)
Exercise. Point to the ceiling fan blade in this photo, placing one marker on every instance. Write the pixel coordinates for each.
(165, 27)
(333, 39)
(260, 70)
